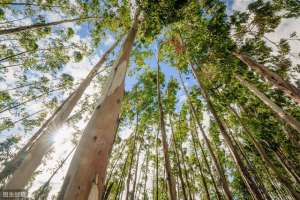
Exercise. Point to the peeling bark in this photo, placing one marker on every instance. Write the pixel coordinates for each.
(96, 143)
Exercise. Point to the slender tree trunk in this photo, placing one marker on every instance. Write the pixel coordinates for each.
(32, 158)
(178, 161)
(30, 51)
(252, 187)
(98, 137)
(41, 25)
(283, 179)
(276, 109)
(195, 134)
(123, 173)
(22, 119)
(156, 165)
(108, 178)
(132, 196)
(170, 178)
(220, 170)
(44, 186)
(12, 165)
(132, 158)
(32, 4)
(204, 183)
(185, 171)
(29, 100)
(248, 165)
(272, 77)
(146, 176)
(287, 167)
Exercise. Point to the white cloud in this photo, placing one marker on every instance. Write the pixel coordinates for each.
(241, 5)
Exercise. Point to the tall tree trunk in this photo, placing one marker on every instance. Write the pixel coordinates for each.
(248, 164)
(132, 158)
(286, 166)
(283, 179)
(98, 137)
(195, 134)
(275, 108)
(170, 178)
(178, 161)
(146, 176)
(204, 183)
(272, 77)
(185, 171)
(220, 170)
(156, 165)
(252, 187)
(123, 173)
(135, 173)
(30, 158)
(41, 25)
(46, 184)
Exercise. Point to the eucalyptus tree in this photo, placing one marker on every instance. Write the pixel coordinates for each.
(170, 178)
(91, 183)
(40, 144)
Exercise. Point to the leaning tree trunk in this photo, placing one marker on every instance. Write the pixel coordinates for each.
(46, 184)
(145, 195)
(204, 183)
(252, 187)
(170, 178)
(290, 120)
(178, 161)
(40, 25)
(132, 195)
(87, 171)
(132, 158)
(156, 166)
(185, 171)
(220, 170)
(286, 165)
(30, 157)
(282, 179)
(272, 77)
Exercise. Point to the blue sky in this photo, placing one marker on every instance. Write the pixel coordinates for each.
(79, 70)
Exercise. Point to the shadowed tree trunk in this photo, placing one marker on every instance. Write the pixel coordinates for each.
(98, 137)
(252, 187)
(113, 166)
(132, 196)
(170, 178)
(195, 134)
(132, 158)
(275, 108)
(287, 166)
(156, 165)
(272, 77)
(25, 163)
(185, 170)
(45, 185)
(123, 174)
(248, 164)
(145, 195)
(283, 179)
(178, 162)
(220, 170)
(204, 183)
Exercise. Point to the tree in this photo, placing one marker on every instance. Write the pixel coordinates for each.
(91, 182)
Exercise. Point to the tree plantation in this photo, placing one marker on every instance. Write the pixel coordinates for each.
(146, 99)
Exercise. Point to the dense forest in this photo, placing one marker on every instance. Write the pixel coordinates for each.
(150, 99)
